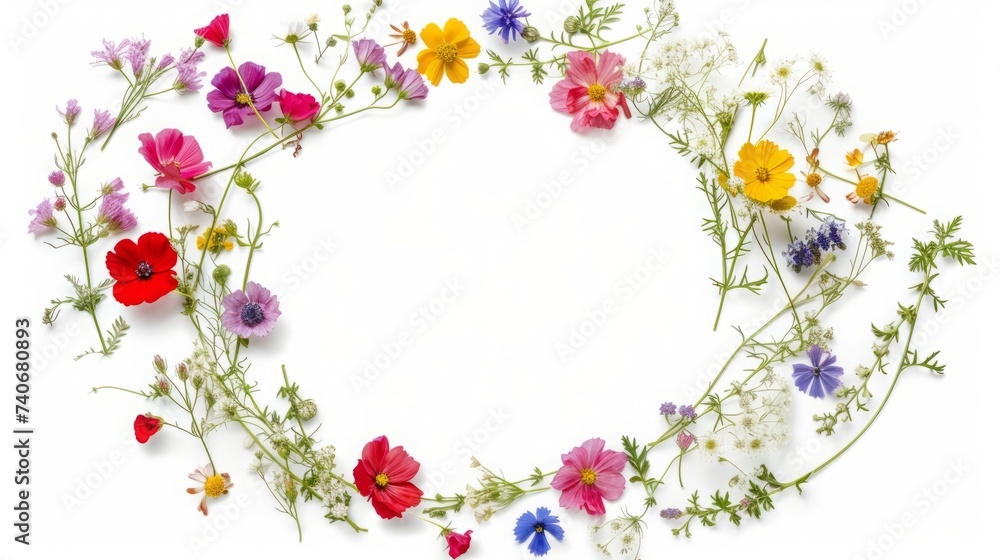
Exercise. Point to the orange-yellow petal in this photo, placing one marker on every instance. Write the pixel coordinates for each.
(432, 36)
(468, 48)
(424, 58)
(748, 155)
(765, 192)
(855, 158)
(458, 71)
(455, 31)
(435, 71)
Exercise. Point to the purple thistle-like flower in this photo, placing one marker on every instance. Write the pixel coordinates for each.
(370, 55)
(43, 218)
(190, 57)
(250, 313)
(233, 101)
(113, 214)
(799, 255)
(116, 185)
(188, 79)
(668, 408)
(112, 54)
(57, 178)
(59, 204)
(136, 54)
(505, 17)
(72, 110)
(103, 122)
(687, 411)
(819, 377)
(671, 513)
(167, 60)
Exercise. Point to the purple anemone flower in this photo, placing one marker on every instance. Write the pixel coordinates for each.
(253, 312)
(505, 17)
(371, 56)
(820, 377)
(233, 101)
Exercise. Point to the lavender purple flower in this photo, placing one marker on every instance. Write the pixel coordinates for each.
(805, 253)
(112, 54)
(72, 110)
(43, 218)
(57, 178)
(136, 52)
(687, 411)
(820, 377)
(253, 312)
(370, 55)
(103, 122)
(670, 513)
(668, 408)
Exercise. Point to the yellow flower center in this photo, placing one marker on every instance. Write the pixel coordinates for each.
(243, 98)
(763, 174)
(813, 180)
(597, 92)
(409, 36)
(756, 444)
(447, 52)
(215, 486)
(783, 204)
(381, 480)
(710, 445)
(867, 187)
(539, 528)
(588, 477)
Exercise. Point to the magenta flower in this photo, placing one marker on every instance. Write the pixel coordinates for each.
(589, 91)
(370, 55)
(103, 122)
(233, 101)
(167, 60)
(216, 32)
(57, 178)
(112, 54)
(113, 215)
(409, 82)
(59, 204)
(253, 312)
(297, 107)
(43, 219)
(176, 158)
(72, 110)
(589, 475)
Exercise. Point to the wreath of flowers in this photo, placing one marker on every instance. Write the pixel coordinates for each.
(768, 178)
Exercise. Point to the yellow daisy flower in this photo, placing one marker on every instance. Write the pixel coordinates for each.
(217, 241)
(865, 190)
(764, 170)
(445, 51)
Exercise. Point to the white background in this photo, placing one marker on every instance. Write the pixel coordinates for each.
(921, 68)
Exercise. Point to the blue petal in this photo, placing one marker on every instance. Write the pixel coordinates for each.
(554, 529)
(539, 545)
(525, 526)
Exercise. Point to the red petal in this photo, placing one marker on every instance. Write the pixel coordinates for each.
(121, 262)
(155, 249)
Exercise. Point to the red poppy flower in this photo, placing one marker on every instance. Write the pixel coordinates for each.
(145, 426)
(383, 476)
(216, 32)
(143, 270)
(458, 544)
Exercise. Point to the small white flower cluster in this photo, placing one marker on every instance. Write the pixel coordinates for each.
(816, 73)
(618, 538)
(760, 426)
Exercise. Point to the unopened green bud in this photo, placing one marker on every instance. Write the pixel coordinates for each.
(331, 41)
(198, 41)
(340, 85)
(377, 90)
(483, 68)
(530, 34)
(221, 274)
(572, 24)
(306, 410)
(159, 364)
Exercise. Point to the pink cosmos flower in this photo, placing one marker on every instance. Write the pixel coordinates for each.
(216, 32)
(297, 107)
(589, 91)
(589, 475)
(409, 82)
(235, 102)
(176, 157)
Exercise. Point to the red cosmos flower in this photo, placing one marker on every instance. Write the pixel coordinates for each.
(458, 544)
(216, 32)
(145, 426)
(383, 476)
(297, 106)
(176, 157)
(143, 270)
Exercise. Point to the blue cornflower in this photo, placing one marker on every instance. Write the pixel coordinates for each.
(820, 377)
(668, 408)
(687, 411)
(535, 525)
(505, 18)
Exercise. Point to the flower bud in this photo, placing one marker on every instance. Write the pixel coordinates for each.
(57, 178)
(306, 410)
(572, 24)
(159, 364)
(197, 381)
(530, 34)
(59, 204)
(221, 274)
(331, 41)
(483, 68)
(340, 85)
(198, 42)
(182, 371)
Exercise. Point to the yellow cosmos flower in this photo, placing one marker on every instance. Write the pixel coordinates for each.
(855, 158)
(445, 51)
(764, 170)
